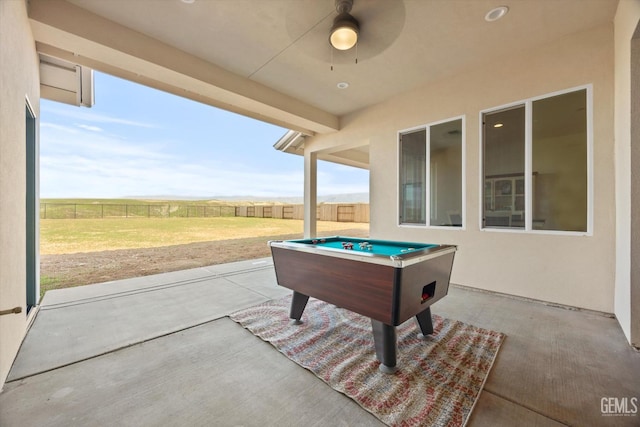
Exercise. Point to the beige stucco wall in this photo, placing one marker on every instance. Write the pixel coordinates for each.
(18, 80)
(626, 21)
(572, 270)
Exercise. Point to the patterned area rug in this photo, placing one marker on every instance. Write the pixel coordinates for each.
(438, 380)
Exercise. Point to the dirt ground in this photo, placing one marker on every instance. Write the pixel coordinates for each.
(67, 270)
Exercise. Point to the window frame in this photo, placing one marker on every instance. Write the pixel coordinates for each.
(528, 166)
(427, 194)
(32, 207)
(399, 190)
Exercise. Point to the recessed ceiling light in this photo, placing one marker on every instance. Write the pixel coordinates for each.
(496, 13)
(188, 1)
(343, 85)
(498, 125)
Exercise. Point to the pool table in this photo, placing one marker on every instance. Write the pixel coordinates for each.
(387, 281)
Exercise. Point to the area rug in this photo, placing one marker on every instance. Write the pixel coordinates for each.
(438, 380)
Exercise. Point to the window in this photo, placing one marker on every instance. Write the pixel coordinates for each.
(504, 146)
(559, 159)
(31, 209)
(413, 166)
(434, 151)
(536, 164)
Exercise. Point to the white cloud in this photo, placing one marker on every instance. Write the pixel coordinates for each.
(83, 156)
(55, 126)
(88, 116)
(79, 163)
(109, 168)
(115, 177)
(70, 140)
(90, 128)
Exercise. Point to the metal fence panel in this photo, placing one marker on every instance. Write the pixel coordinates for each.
(358, 212)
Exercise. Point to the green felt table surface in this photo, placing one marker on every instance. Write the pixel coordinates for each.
(378, 247)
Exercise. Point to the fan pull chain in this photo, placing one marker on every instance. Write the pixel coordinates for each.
(331, 49)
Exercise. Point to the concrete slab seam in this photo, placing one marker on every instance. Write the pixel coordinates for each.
(114, 350)
(523, 406)
(147, 289)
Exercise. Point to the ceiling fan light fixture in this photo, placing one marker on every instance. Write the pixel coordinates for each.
(344, 32)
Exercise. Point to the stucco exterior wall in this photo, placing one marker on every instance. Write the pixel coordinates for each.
(626, 22)
(565, 269)
(19, 80)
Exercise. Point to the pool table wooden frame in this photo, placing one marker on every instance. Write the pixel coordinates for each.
(389, 290)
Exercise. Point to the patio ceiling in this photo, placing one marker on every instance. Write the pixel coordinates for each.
(271, 59)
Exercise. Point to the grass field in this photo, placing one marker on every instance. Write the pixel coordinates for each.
(66, 236)
(85, 251)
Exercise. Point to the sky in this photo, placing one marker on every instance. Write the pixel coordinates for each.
(138, 141)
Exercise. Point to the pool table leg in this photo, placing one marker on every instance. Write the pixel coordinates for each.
(384, 338)
(423, 319)
(298, 303)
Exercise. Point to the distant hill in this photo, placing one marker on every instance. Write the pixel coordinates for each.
(331, 198)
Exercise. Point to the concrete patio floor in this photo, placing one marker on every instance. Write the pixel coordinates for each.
(159, 350)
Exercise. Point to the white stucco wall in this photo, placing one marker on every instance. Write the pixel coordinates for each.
(19, 80)
(626, 22)
(572, 270)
